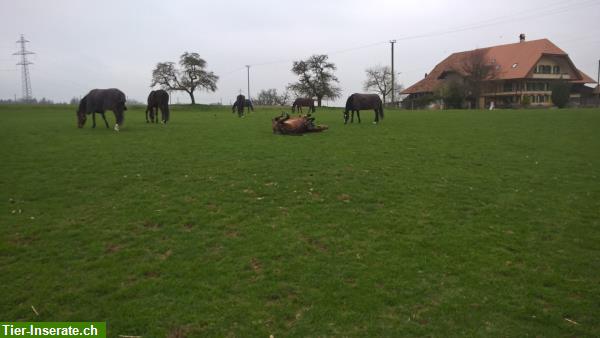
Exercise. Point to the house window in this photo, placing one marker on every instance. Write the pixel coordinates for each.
(508, 87)
(543, 69)
(537, 86)
(556, 70)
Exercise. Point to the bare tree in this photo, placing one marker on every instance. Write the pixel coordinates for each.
(189, 78)
(270, 97)
(379, 80)
(316, 78)
(267, 97)
(284, 98)
(477, 73)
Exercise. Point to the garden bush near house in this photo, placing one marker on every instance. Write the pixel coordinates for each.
(526, 101)
(453, 94)
(560, 94)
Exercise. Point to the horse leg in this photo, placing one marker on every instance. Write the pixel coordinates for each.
(376, 116)
(104, 117)
(93, 119)
(358, 115)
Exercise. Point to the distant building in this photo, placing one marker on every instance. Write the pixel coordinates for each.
(523, 72)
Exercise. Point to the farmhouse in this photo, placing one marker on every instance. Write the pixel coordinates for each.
(511, 74)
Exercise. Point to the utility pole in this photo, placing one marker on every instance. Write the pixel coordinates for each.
(392, 42)
(598, 86)
(25, 80)
(248, 68)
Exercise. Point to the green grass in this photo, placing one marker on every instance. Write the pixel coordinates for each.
(437, 223)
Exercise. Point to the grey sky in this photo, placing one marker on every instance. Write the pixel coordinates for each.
(82, 45)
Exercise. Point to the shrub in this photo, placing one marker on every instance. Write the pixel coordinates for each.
(560, 94)
(453, 94)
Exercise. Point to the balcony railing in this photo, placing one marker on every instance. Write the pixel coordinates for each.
(551, 76)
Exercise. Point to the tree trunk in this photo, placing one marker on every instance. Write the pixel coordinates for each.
(192, 97)
(383, 99)
(319, 98)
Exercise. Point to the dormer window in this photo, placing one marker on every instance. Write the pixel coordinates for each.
(556, 70)
(543, 69)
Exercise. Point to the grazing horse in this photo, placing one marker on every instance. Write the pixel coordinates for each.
(99, 101)
(357, 102)
(304, 102)
(240, 103)
(158, 99)
(286, 125)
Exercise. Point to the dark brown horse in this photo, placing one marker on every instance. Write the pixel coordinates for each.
(99, 101)
(158, 99)
(240, 103)
(304, 102)
(286, 125)
(357, 102)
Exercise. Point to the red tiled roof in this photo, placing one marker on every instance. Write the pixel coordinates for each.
(513, 61)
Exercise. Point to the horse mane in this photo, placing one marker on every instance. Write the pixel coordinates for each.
(349, 105)
(83, 105)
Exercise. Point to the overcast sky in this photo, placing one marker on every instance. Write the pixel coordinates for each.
(81, 45)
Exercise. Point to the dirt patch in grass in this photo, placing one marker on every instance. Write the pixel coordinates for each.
(256, 265)
(344, 198)
(151, 224)
(151, 274)
(178, 332)
(112, 248)
(315, 243)
(165, 255)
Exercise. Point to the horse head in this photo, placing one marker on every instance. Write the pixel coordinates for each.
(81, 118)
(346, 116)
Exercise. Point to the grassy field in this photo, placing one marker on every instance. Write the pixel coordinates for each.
(437, 223)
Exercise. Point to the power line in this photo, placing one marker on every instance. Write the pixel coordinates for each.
(248, 67)
(558, 7)
(25, 80)
(505, 19)
(392, 42)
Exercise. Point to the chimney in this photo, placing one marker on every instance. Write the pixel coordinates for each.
(425, 74)
(521, 37)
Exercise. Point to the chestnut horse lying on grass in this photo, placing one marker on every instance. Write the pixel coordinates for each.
(286, 125)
